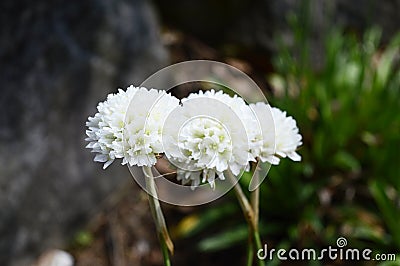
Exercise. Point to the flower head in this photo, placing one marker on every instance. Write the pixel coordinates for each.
(263, 143)
(128, 125)
(279, 137)
(287, 136)
(208, 138)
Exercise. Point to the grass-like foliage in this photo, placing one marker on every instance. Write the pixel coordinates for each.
(347, 109)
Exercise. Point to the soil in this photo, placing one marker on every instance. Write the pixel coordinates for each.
(122, 233)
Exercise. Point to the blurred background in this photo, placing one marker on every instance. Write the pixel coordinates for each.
(333, 65)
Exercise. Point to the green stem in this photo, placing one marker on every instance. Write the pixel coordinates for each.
(244, 203)
(248, 214)
(165, 251)
(156, 211)
(250, 251)
(255, 204)
(255, 195)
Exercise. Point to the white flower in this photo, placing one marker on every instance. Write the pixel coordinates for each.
(237, 105)
(208, 137)
(263, 143)
(287, 137)
(280, 135)
(129, 125)
(207, 146)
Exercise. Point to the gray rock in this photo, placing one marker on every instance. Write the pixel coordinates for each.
(58, 59)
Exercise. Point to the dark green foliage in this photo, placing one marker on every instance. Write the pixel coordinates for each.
(348, 182)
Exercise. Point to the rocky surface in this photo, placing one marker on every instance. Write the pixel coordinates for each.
(57, 60)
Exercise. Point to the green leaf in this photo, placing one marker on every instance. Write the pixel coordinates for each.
(344, 160)
(390, 212)
(225, 239)
(385, 67)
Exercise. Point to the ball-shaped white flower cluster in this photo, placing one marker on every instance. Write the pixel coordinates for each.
(128, 126)
(206, 137)
(280, 141)
(202, 135)
(203, 148)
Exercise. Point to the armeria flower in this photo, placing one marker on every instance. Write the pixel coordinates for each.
(207, 145)
(280, 141)
(208, 138)
(287, 137)
(263, 143)
(236, 104)
(128, 125)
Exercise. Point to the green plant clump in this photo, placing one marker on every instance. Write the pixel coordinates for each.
(348, 113)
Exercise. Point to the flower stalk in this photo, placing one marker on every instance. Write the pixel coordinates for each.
(255, 202)
(167, 247)
(250, 251)
(255, 194)
(250, 218)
